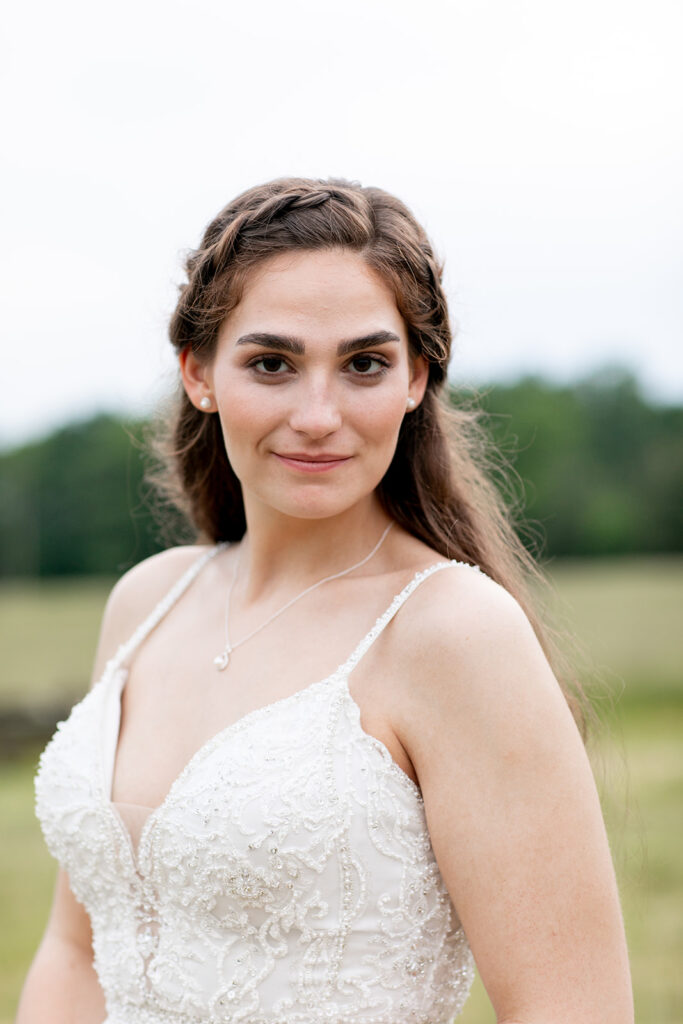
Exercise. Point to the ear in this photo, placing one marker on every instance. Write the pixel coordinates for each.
(419, 377)
(196, 378)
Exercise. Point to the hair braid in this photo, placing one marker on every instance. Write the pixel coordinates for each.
(438, 485)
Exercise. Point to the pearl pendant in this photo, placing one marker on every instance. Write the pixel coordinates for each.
(221, 660)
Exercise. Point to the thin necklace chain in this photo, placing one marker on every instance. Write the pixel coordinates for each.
(222, 660)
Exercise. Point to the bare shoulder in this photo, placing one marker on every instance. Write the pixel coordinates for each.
(137, 593)
(473, 668)
(510, 803)
(460, 617)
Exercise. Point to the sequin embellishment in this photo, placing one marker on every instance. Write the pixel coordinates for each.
(287, 878)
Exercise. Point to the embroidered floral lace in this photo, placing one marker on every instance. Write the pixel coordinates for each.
(287, 878)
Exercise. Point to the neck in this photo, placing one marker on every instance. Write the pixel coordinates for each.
(280, 552)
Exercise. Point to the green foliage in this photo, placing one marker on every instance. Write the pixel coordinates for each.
(71, 504)
(601, 468)
(601, 471)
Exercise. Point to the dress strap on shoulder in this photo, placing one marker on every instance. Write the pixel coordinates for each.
(400, 599)
(165, 604)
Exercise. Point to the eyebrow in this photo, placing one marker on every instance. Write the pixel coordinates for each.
(287, 343)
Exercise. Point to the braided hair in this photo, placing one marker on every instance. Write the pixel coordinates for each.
(301, 214)
(439, 485)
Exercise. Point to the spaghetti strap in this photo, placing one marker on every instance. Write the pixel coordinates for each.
(400, 599)
(164, 605)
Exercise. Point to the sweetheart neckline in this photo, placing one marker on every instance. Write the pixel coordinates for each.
(339, 677)
(118, 671)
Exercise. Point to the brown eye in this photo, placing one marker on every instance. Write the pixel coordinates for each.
(271, 364)
(362, 363)
(368, 365)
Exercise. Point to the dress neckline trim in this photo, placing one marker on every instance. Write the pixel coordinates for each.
(117, 675)
(337, 679)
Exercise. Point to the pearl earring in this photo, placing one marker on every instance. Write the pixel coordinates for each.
(410, 403)
(205, 403)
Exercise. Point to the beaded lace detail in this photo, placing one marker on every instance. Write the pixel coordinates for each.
(287, 877)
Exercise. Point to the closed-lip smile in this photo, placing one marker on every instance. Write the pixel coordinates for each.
(310, 463)
(318, 457)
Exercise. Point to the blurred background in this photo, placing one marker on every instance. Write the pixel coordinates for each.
(541, 145)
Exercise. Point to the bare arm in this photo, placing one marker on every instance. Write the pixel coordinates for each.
(513, 812)
(61, 986)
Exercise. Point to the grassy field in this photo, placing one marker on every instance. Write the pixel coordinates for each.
(626, 615)
(48, 635)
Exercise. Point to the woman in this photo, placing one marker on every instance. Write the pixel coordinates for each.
(257, 817)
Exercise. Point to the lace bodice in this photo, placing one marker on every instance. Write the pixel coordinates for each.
(287, 877)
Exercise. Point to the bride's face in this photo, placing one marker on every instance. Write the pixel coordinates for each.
(311, 378)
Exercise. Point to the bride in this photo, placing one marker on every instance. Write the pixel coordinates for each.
(325, 766)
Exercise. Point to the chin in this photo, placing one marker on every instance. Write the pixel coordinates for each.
(314, 506)
(316, 510)
(313, 498)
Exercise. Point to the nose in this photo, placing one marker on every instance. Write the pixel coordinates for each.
(316, 411)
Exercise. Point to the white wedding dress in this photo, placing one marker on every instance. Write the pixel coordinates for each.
(287, 877)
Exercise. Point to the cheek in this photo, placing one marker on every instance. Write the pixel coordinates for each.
(245, 413)
(380, 412)
(378, 428)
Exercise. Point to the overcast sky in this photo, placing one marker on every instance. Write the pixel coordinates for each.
(539, 142)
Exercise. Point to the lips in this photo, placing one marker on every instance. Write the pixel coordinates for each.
(304, 457)
(308, 463)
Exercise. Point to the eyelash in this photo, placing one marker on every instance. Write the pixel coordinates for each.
(384, 365)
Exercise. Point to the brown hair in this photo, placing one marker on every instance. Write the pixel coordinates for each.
(439, 485)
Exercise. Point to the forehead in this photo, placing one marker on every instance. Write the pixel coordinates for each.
(332, 292)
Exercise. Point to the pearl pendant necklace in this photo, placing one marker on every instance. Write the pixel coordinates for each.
(222, 660)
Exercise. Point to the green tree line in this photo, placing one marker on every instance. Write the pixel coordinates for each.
(596, 468)
(599, 468)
